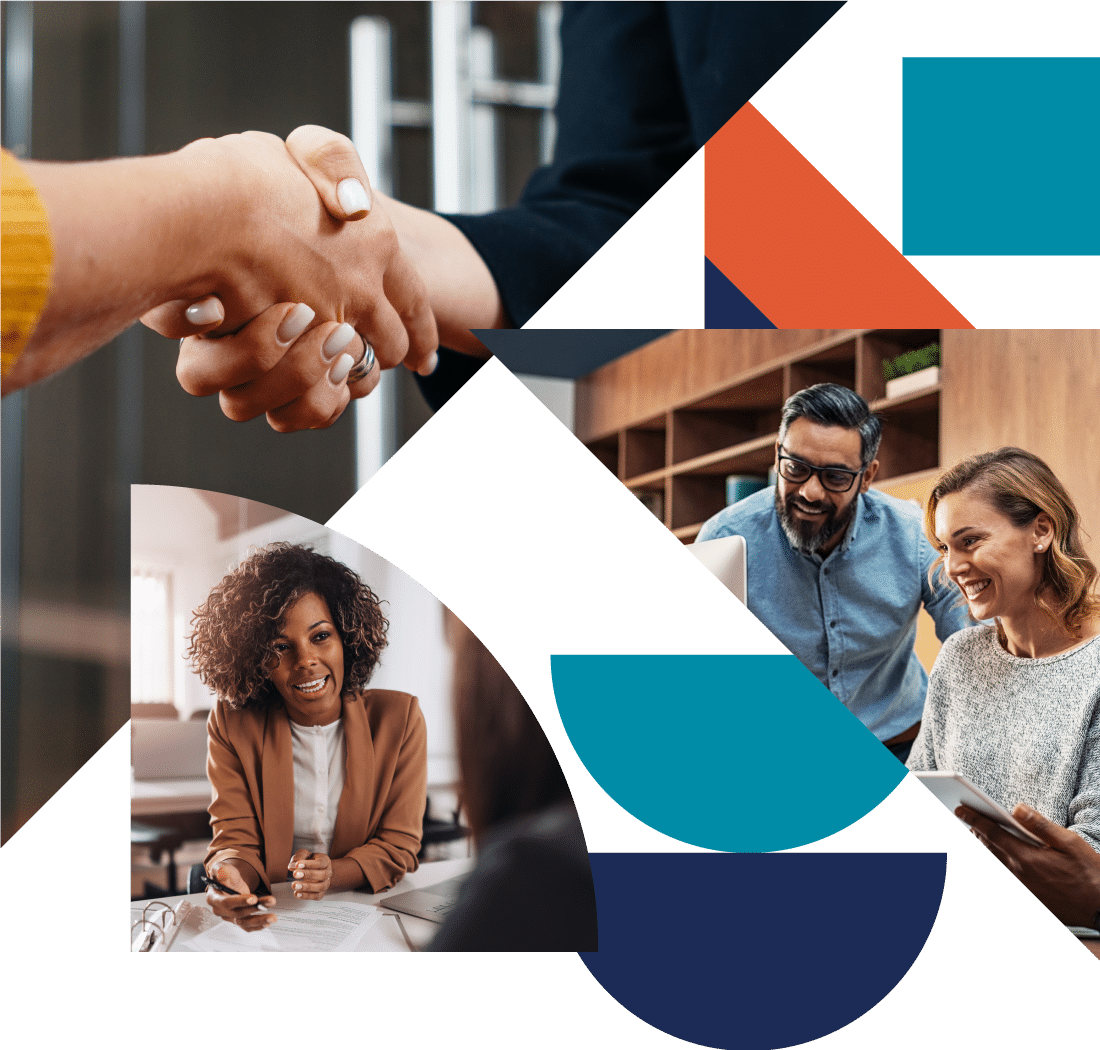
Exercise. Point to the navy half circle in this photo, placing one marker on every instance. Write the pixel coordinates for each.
(759, 951)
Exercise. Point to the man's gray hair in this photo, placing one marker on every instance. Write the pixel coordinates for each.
(833, 405)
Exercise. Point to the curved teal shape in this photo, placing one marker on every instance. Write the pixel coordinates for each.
(736, 753)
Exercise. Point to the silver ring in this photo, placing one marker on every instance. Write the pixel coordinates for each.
(366, 363)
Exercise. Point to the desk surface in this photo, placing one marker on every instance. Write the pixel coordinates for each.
(190, 795)
(385, 936)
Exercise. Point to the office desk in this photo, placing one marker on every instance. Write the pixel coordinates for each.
(151, 797)
(192, 794)
(385, 936)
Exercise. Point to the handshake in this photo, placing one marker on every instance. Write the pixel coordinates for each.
(301, 292)
(286, 283)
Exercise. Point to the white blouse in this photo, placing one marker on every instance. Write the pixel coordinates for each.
(319, 770)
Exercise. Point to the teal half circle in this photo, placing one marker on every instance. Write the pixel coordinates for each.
(735, 753)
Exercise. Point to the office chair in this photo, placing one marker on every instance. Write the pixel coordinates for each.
(437, 832)
(157, 841)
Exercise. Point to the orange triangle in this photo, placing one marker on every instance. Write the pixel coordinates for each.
(797, 249)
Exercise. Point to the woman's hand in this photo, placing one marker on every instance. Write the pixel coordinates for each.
(301, 373)
(1064, 874)
(312, 874)
(279, 242)
(239, 908)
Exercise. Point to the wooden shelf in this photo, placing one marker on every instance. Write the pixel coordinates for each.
(647, 481)
(918, 477)
(675, 449)
(918, 401)
(750, 457)
(914, 486)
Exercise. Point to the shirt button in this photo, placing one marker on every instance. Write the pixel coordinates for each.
(825, 572)
(835, 673)
(832, 623)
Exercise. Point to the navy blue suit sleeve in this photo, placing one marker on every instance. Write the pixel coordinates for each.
(623, 131)
(643, 86)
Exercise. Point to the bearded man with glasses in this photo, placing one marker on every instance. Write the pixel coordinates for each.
(839, 571)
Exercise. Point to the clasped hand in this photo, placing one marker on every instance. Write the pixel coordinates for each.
(307, 281)
(311, 874)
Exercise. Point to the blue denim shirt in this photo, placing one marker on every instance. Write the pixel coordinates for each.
(851, 617)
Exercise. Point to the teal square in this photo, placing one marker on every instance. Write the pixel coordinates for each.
(1001, 156)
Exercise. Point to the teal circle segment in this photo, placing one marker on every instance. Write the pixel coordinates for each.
(734, 753)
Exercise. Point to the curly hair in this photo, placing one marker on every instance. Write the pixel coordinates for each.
(1021, 486)
(233, 630)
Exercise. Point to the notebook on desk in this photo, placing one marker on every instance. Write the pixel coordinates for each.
(433, 903)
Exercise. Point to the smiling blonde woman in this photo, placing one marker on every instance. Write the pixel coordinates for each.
(1015, 704)
(314, 776)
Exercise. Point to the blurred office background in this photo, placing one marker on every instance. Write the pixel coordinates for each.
(450, 109)
(183, 542)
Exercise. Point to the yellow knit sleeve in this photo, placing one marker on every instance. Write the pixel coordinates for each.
(24, 260)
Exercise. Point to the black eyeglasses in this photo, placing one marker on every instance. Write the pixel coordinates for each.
(835, 479)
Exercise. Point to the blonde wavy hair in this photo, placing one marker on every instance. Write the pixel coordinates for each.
(1021, 486)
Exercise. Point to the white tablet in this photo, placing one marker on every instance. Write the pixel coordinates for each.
(953, 789)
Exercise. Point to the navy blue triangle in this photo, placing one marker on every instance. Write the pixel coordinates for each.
(726, 305)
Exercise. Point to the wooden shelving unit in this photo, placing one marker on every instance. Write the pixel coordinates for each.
(677, 459)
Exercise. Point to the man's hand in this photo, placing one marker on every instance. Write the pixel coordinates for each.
(1064, 874)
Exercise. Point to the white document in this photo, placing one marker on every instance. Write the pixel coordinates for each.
(301, 926)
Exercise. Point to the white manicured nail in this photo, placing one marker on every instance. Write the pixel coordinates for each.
(353, 197)
(336, 342)
(341, 369)
(295, 323)
(207, 311)
(429, 366)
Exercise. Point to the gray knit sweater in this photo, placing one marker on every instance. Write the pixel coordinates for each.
(1022, 730)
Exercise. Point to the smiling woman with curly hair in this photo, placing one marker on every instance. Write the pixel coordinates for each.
(313, 774)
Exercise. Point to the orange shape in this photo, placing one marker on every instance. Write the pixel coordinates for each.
(797, 248)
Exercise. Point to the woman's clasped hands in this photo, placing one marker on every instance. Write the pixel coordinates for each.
(311, 874)
(314, 298)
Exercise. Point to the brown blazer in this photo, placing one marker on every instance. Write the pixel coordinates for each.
(380, 818)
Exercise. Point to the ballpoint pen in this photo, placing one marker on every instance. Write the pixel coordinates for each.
(206, 880)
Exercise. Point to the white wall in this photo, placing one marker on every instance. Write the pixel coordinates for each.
(175, 530)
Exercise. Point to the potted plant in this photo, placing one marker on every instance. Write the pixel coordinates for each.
(914, 370)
